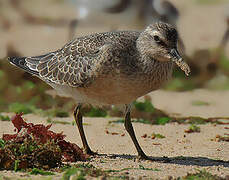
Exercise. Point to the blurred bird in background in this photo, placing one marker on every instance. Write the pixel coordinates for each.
(141, 13)
(126, 14)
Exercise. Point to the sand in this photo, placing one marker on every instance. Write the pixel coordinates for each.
(185, 153)
(201, 27)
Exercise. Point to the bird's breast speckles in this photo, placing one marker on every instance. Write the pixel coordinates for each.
(116, 87)
(112, 90)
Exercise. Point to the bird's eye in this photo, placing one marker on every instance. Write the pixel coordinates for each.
(156, 38)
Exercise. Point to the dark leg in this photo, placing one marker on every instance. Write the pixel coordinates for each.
(78, 119)
(130, 130)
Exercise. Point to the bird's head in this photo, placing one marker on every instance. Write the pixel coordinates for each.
(159, 42)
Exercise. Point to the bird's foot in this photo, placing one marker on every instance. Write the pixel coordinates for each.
(143, 157)
(88, 151)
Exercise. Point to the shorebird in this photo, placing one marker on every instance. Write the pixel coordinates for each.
(145, 11)
(109, 68)
(165, 11)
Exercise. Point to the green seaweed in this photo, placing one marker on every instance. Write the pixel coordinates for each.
(16, 165)
(72, 171)
(158, 121)
(148, 169)
(191, 120)
(2, 143)
(140, 167)
(200, 103)
(201, 175)
(144, 121)
(22, 108)
(180, 84)
(159, 136)
(145, 106)
(96, 112)
(4, 118)
(57, 121)
(193, 128)
(36, 171)
(163, 120)
(80, 171)
(56, 113)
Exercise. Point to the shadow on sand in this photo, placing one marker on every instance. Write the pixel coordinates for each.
(181, 160)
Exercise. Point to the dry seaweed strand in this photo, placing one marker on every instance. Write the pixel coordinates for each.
(183, 65)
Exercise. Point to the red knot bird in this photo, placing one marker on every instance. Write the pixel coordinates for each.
(111, 68)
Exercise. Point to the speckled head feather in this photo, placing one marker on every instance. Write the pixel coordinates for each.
(157, 40)
(167, 30)
(170, 32)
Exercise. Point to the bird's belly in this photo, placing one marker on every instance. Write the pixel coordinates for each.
(117, 90)
(112, 89)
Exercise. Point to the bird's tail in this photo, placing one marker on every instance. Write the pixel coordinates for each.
(21, 63)
(28, 64)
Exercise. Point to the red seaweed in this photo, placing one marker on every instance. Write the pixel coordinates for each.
(47, 146)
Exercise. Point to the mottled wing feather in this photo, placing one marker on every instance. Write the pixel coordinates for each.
(79, 61)
(65, 66)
